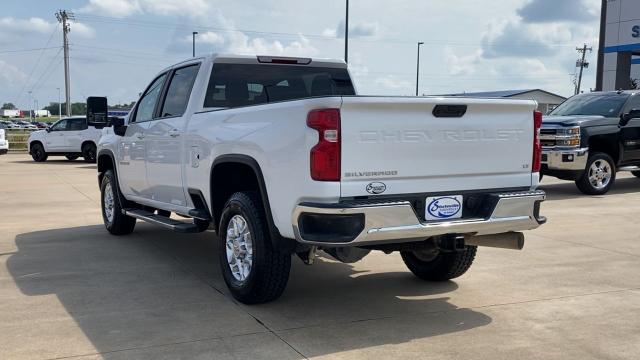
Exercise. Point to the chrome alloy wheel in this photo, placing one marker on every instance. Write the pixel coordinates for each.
(108, 202)
(239, 248)
(600, 174)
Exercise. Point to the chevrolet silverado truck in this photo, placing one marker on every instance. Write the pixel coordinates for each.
(590, 137)
(280, 158)
(70, 137)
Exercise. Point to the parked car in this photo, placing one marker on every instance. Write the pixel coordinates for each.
(26, 125)
(4, 143)
(70, 137)
(279, 157)
(10, 125)
(40, 125)
(590, 137)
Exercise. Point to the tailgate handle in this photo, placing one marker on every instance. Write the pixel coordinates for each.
(450, 111)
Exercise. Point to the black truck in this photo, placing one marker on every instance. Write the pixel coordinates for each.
(590, 137)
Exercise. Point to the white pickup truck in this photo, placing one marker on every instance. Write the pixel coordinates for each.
(70, 137)
(279, 157)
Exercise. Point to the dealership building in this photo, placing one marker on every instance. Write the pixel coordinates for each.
(619, 53)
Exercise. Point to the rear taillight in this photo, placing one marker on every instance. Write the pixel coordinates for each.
(325, 156)
(537, 148)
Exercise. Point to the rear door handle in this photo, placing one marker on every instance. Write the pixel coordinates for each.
(174, 132)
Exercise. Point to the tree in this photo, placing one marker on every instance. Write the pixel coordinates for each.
(78, 108)
(8, 106)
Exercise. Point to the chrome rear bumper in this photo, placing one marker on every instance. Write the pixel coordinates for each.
(398, 222)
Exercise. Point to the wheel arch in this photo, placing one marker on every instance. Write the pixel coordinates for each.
(33, 142)
(245, 165)
(106, 161)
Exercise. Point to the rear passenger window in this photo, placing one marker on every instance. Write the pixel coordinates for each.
(175, 103)
(232, 85)
(76, 124)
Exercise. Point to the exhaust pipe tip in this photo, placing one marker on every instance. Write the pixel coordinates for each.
(510, 240)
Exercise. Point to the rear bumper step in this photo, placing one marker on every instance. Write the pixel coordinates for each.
(333, 224)
(168, 223)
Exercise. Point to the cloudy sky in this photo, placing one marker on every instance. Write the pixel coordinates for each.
(470, 45)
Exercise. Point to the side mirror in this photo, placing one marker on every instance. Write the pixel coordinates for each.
(632, 114)
(48, 128)
(119, 127)
(97, 111)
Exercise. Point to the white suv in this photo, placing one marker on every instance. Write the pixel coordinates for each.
(70, 137)
(4, 143)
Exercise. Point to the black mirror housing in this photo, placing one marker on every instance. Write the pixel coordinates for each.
(118, 124)
(97, 111)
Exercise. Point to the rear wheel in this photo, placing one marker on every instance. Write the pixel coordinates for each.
(115, 221)
(37, 153)
(72, 157)
(439, 266)
(89, 152)
(252, 269)
(599, 175)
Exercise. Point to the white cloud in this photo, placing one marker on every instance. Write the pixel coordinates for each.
(395, 85)
(11, 75)
(359, 29)
(16, 30)
(208, 37)
(240, 43)
(113, 8)
(125, 8)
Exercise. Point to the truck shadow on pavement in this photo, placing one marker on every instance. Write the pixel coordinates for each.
(79, 164)
(568, 190)
(156, 289)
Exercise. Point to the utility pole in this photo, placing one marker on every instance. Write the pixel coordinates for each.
(582, 64)
(193, 34)
(63, 17)
(346, 36)
(418, 68)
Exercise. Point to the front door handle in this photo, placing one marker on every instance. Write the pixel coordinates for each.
(140, 136)
(174, 132)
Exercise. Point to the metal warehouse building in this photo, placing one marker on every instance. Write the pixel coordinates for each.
(619, 54)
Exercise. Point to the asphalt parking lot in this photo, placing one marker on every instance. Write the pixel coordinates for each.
(70, 290)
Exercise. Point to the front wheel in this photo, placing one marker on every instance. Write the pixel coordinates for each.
(251, 268)
(599, 175)
(115, 221)
(37, 153)
(439, 266)
(89, 152)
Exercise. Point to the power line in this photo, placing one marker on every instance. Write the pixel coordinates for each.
(24, 85)
(28, 50)
(164, 25)
(47, 70)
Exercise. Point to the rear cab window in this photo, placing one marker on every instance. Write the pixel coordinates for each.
(234, 85)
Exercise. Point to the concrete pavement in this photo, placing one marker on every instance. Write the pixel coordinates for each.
(68, 289)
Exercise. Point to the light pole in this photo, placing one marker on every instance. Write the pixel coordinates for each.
(59, 105)
(346, 35)
(35, 108)
(418, 69)
(30, 105)
(193, 35)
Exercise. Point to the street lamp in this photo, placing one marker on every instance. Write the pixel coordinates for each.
(31, 104)
(193, 34)
(59, 105)
(418, 69)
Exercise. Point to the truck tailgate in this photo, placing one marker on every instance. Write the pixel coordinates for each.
(395, 145)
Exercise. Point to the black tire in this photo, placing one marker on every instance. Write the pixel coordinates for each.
(269, 272)
(584, 183)
(37, 153)
(636, 173)
(119, 224)
(89, 152)
(444, 266)
(72, 157)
